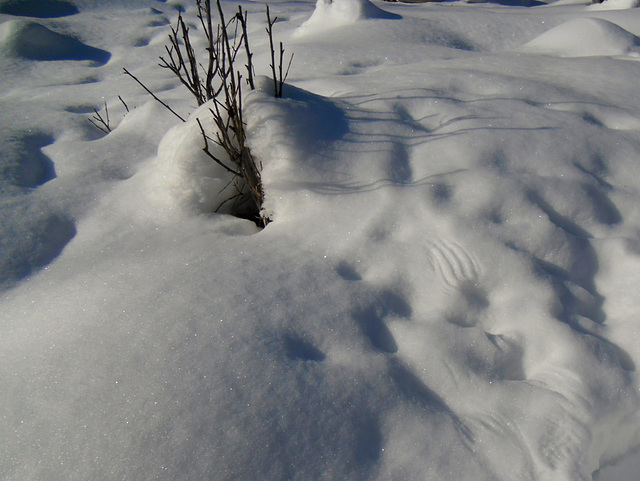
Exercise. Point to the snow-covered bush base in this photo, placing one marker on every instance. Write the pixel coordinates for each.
(183, 175)
(448, 290)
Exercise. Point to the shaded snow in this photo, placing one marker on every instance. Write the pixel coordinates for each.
(39, 9)
(35, 42)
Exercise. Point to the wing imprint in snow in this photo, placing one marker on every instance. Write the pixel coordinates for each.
(453, 263)
(460, 273)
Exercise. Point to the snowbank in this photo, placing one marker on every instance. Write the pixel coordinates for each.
(585, 37)
(330, 14)
(183, 176)
(615, 5)
(33, 41)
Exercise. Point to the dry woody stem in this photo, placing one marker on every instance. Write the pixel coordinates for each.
(219, 80)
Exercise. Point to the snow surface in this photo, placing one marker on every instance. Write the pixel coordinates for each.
(585, 37)
(448, 289)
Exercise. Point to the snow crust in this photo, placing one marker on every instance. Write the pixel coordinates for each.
(448, 289)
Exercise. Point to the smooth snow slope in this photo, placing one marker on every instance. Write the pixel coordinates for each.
(447, 290)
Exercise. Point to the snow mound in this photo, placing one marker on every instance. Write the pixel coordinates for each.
(43, 232)
(584, 37)
(30, 40)
(38, 8)
(615, 5)
(23, 163)
(329, 14)
(283, 131)
(182, 175)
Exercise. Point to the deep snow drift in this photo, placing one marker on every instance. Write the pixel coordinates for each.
(447, 290)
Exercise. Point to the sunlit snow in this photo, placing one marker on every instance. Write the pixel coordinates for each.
(447, 290)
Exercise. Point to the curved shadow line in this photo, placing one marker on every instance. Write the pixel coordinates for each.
(354, 188)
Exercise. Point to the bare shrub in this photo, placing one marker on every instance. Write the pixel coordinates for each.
(219, 80)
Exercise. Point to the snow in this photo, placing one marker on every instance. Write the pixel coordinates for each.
(584, 37)
(35, 8)
(183, 175)
(33, 41)
(447, 290)
(330, 14)
(615, 5)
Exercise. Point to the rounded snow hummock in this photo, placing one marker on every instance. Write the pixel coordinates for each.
(584, 37)
(30, 40)
(335, 13)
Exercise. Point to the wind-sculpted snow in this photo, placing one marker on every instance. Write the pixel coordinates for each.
(24, 164)
(616, 5)
(42, 234)
(585, 37)
(447, 290)
(330, 14)
(33, 41)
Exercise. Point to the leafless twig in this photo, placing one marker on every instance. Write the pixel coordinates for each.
(278, 77)
(152, 94)
(126, 107)
(218, 80)
(100, 122)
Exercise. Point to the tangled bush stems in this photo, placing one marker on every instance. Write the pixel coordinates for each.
(100, 122)
(219, 80)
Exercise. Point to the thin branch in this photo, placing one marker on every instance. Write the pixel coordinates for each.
(242, 18)
(233, 197)
(208, 152)
(213, 61)
(286, 74)
(123, 103)
(152, 94)
(100, 122)
(271, 47)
